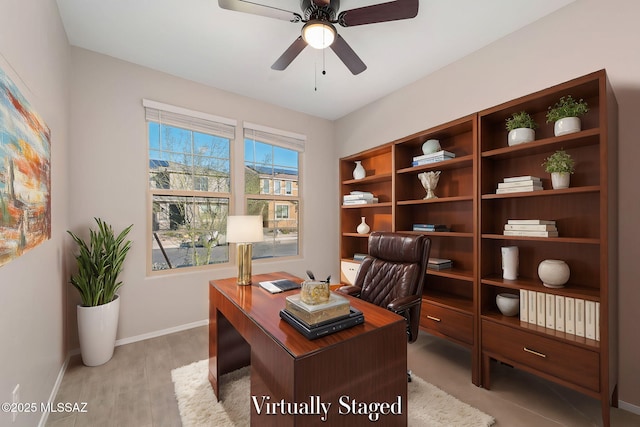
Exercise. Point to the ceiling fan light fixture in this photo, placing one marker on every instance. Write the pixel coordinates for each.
(318, 34)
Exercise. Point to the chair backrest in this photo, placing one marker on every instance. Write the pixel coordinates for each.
(395, 267)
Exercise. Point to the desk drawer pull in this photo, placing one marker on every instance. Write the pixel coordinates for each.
(528, 350)
(435, 319)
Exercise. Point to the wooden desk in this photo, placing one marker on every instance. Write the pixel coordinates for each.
(364, 364)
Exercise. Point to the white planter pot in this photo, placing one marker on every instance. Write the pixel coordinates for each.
(520, 135)
(567, 125)
(97, 327)
(554, 273)
(560, 180)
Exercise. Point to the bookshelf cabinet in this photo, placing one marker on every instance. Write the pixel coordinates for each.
(459, 303)
(585, 215)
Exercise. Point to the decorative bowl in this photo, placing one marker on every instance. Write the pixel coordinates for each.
(508, 304)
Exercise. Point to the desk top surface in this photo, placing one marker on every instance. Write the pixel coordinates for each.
(263, 308)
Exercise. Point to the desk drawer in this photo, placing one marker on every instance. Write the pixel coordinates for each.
(562, 360)
(444, 321)
(348, 272)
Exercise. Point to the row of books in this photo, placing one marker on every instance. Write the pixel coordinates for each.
(359, 198)
(439, 263)
(430, 227)
(564, 314)
(530, 227)
(518, 184)
(438, 156)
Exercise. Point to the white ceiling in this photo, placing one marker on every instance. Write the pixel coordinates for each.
(199, 41)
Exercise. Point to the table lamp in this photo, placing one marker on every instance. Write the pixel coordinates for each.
(244, 230)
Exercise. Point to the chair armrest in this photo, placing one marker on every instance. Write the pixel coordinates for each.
(352, 290)
(399, 305)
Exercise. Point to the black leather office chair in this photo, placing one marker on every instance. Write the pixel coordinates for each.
(393, 275)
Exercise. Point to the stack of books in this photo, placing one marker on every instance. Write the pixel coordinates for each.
(438, 156)
(517, 184)
(531, 227)
(314, 321)
(359, 256)
(359, 198)
(430, 227)
(439, 263)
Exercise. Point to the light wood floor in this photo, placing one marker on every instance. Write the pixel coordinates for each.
(134, 389)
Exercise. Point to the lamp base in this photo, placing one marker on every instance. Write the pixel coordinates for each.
(245, 251)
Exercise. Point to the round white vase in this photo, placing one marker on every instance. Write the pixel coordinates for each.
(359, 172)
(560, 180)
(521, 135)
(431, 146)
(567, 125)
(363, 227)
(97, 327)
(554, 273)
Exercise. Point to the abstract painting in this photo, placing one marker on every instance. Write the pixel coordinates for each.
(25, 174)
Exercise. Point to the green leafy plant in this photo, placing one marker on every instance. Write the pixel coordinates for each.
(520, 120)
(560, 161)
(567, 107)
(99, 263)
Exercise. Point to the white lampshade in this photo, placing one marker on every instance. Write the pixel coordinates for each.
(318, 34)
(244, 229)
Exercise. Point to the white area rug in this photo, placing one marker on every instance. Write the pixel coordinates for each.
(428, 405)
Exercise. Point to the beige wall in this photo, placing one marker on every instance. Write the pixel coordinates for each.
(585, 36)
(108, 179)
(34, 52)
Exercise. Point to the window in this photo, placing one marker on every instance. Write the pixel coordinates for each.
(189, 186)
(271, 160)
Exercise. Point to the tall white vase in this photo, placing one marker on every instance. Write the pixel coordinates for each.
(363, 227)
(97, 327)
(359, 172)
(510, 262)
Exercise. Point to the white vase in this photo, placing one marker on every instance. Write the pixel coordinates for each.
(510, 262)
(359, 172)
(431, 146)
(554, 273)
(97, 327)
(521, 135)
(363, 227)
(560, 180)
(567, 125)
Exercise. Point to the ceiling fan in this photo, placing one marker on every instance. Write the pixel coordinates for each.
(319, 31)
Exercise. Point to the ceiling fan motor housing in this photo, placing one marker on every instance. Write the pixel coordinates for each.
(322, 12)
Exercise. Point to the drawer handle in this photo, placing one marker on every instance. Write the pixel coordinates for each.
(528, 350)
(435, 319)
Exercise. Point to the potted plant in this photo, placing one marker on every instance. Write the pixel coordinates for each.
(565, 115)
(99, 262)
(521, 127)
(560, 165)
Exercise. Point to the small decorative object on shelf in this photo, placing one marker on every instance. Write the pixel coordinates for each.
(517, 184)
(359, 172)
(521, 127)
(508, 304)
(509, 262)
(429, 181)
(560, 165)
(554, 273)
(565, 115)
(431, 146)
(531, 228)
(363, 227)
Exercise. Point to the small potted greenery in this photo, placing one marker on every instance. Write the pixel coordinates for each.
(565, 115)
(560, 165)
(521, 127)
(99, 261)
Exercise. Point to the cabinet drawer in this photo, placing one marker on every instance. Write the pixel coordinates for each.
(454, 324)
(562, 360)
(348, 272)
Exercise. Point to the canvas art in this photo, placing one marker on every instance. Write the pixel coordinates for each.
(25, 174)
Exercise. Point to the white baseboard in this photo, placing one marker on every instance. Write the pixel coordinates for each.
(54, 391)
(629, 407)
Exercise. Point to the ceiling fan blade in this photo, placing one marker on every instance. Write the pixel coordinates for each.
(383, 12)
(290, 54)
(347, 55)
(259, 9)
